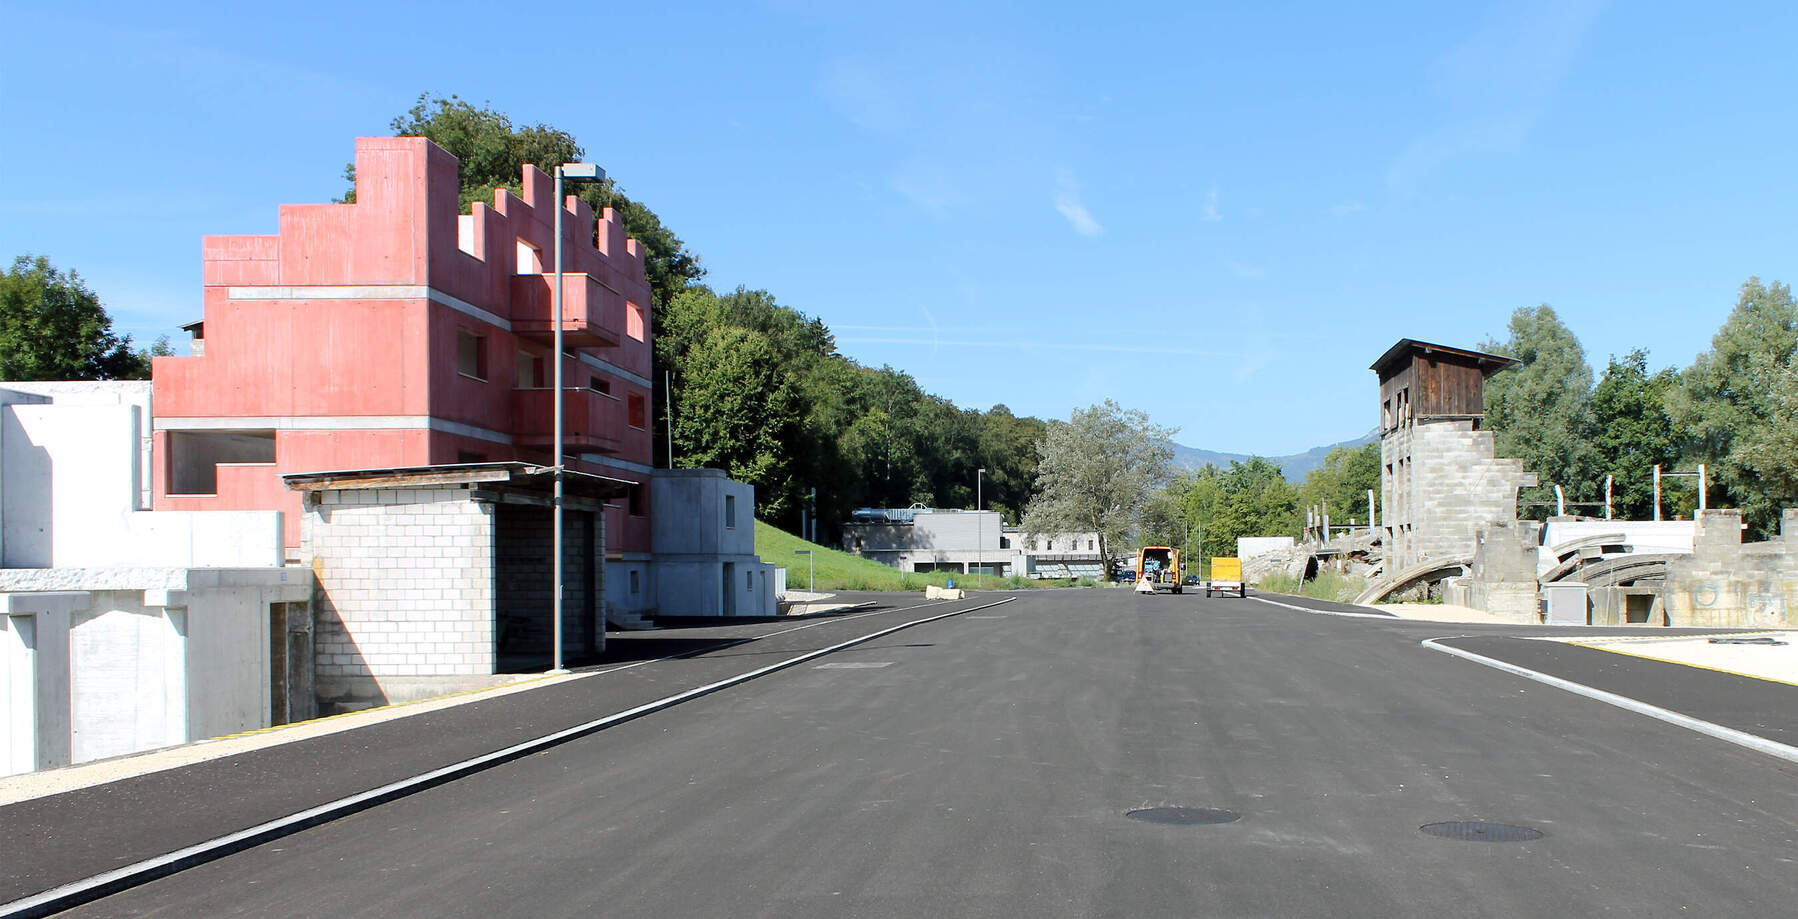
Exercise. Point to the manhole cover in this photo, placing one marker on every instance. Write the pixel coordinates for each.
(1184, 816)
(1473, 831)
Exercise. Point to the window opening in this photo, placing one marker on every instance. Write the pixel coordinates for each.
(530, 258)
(194, 457)
(530, 371)
(471, 354)
(633, 320)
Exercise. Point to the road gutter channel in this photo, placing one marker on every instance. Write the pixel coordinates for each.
(119, 879)
(1707, 728)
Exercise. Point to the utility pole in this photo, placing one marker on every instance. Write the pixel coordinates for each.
(979, 533)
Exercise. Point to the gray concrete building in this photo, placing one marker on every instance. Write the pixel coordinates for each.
(704, 563)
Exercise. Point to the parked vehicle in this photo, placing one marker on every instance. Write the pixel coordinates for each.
(1191, 580)
(1160, 566)
(1226, 577)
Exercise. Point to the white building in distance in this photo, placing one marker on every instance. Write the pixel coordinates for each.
(922, 539)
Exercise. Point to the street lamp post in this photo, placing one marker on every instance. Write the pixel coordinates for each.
(580, 172)
(811, 570)
(979, 534)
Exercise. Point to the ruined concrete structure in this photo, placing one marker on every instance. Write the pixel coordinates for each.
(1440, 482)
(1725, 582)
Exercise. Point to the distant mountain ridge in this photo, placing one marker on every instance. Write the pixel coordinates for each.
(1294, 466)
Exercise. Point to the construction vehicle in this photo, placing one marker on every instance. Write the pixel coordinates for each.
(1226, 577)
(1160, 566)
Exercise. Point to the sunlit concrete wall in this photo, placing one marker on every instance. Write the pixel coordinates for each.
(103, 662)
(1726, 582)
(70, 493)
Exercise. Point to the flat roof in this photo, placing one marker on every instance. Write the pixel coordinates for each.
(1489, 364)
(525, 476)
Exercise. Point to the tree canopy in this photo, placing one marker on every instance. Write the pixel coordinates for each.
(1633, 433)
(1097, 471)
(52, 327)
(1734, 406)
(1541, 410)
(1342, 482)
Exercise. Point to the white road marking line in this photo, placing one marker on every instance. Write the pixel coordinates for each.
(1328, 612)
(855, 665)
(118, 879)
(744, 641)
(1709, 729)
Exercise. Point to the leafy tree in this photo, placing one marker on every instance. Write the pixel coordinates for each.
(1734, 405)
(1341, 483)
(736, 411)
(1007, 450)
(1255, 500)
(1632, 431)
(1541, 411)
(1097, 471)
(52, 327)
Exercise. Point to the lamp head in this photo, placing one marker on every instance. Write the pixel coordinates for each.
(582, 172)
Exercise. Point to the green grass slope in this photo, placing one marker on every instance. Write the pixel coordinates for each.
(843, 571)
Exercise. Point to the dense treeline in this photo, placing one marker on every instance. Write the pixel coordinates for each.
(1735, 409)
(758, 389)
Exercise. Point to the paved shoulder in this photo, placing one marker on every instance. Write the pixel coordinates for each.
(1760, 707)
(66, 837)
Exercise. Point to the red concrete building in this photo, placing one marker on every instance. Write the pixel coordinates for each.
(397, 331)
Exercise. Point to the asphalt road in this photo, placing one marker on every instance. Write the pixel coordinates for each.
(984, 765)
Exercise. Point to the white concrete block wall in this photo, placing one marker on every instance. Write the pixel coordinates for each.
(406, 583)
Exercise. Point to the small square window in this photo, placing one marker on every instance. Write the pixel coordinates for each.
(530, 371)
(530, 258)
(598, 385)
(471, 354)
(633, 320)
(639, 411)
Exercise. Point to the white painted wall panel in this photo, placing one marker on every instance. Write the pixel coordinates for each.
(128, 682)
(18, 693)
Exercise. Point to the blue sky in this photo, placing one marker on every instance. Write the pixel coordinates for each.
(1219, 214)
